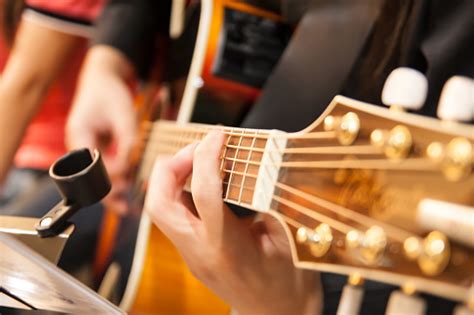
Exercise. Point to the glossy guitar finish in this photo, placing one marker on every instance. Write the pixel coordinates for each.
(360, 192)
(349, 191)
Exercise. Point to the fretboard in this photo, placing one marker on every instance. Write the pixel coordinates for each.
(240, 162)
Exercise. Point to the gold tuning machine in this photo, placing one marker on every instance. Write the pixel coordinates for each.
(455, 158)
(396, 143)
(346, 127)
(432, 253)
(370, 245)
(318, 240)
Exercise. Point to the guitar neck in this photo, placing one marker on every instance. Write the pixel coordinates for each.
(242, 156)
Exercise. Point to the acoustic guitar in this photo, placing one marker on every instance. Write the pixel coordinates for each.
(363, 191)
(237, 45)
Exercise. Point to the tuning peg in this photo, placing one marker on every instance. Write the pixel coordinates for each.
(405, 302)
(352, 295)
(457, 99)
(463, 310)
(405, 88)
(468, 307)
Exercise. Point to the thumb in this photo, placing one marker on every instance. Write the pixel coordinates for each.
(168, 178)
(124, 134)
(81, 137)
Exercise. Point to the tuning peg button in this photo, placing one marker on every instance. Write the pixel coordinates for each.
(405, 88)
(352, 296)
(403, 303)
(463, 310)
(457, 99)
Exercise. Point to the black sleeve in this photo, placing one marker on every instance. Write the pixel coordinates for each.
(131, 26)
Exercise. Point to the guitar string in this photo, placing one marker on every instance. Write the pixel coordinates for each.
(344, 228)
(413, 164)
(241, 135)
(317, 135)
(322, 218)
(317, 150)
(361, 149)
(355, 149)
(163, 128)
(363, 220)
(291, 221)
(343, 211)
(333, 223)
(408, 164)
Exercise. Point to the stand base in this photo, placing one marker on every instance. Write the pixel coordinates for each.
(23, 229)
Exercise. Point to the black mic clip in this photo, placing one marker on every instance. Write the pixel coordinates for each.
(82, 180)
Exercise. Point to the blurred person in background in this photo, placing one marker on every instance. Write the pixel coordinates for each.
(41, 53)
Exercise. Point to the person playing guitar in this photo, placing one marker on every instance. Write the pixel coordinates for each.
(339, 47)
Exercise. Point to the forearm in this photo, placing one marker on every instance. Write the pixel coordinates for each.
(103, 60)
(104, 76)
(37, 58)
(18, 104)
(103, 115)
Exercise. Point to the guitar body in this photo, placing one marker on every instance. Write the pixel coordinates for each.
(158, 281)
(166, 286)
(236, 48)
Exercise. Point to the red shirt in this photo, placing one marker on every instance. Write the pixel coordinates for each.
(44, 138)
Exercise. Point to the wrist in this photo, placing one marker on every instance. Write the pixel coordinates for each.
(110, 61)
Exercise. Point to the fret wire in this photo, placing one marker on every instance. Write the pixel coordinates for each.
(247, 167)
(224, 152)
(237, 185)
(233, 165)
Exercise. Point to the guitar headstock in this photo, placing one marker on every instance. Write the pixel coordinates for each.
(382, 194)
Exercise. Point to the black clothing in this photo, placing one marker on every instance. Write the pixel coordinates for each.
(132, 28)
(436, 37)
